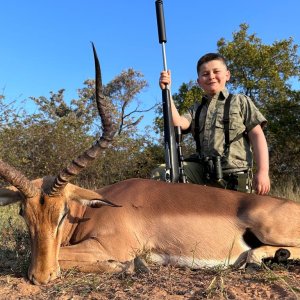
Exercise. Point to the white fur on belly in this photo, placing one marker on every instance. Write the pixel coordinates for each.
(191, 262)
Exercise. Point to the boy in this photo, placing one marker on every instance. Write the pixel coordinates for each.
(219, 144)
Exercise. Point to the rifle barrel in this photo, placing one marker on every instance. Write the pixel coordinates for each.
(171, 156)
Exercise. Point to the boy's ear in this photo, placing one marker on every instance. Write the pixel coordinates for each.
(228, 75)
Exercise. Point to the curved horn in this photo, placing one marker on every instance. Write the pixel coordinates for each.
(17, 179)
(78, 164)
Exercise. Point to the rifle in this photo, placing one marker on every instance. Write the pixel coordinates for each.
(174, 173)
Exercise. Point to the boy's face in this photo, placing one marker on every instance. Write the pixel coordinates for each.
(213, 76)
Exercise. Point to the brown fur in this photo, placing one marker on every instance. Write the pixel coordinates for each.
(182, 224)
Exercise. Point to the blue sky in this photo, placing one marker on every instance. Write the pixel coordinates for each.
(45, 45)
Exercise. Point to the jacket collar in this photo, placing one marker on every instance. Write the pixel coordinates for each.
(220, 96)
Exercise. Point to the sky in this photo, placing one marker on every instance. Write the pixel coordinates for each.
(45, 44)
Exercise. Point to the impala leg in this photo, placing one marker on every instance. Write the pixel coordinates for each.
(255, 256)
(90, 256)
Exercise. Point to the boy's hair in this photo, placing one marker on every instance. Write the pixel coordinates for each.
(208, 57)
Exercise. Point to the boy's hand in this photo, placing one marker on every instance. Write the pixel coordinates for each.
(261, 183)
(261, 180)
(165, 79)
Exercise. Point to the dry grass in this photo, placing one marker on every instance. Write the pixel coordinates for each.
(287, 189)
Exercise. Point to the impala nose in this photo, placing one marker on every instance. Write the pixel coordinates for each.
(43, 278)
(39, 281)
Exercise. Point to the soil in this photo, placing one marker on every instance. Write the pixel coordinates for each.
(162, 282)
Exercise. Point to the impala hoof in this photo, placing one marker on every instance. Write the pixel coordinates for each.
(140, 266)
(282, 255)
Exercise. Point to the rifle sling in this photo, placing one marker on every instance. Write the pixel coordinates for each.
(226, 121)
(197, 125)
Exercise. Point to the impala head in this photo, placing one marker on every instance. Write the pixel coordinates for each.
(45, 203)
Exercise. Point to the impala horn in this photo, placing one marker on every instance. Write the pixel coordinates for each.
(79, 163)
(17, 179)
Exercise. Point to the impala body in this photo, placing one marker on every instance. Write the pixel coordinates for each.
(180, 224)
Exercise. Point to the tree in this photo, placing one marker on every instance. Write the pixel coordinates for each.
(264, 72)
(124, 89)
(260, 71)
(9, 114)
(284, 136)
(43, 143)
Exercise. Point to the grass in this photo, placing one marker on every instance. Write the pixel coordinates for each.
(271, 275)
(287, 189)
(217, 286)
(10, 212)
(14, 240)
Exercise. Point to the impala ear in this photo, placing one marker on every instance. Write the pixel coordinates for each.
(10, 195)
(87, 197)
(96, 203)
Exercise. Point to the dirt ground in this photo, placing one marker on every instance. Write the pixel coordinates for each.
(162, 282)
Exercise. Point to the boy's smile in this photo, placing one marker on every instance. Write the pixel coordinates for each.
(213, 76)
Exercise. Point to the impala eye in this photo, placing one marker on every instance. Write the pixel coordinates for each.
(21, 211)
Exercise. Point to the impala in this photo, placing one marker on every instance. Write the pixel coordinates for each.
(180, 224)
